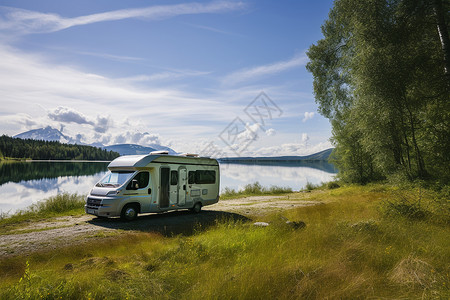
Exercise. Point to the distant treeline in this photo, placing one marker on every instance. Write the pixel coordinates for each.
(34, 149)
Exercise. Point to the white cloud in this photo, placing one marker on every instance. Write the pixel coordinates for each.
(271, 132)
(28, 80)
(13, 123)
(265, 70)
(108, 56)
(307, 116)
(136, 137)
(68, 115)
(175, 74)
(21, 21)
(212, 29)
(305, 137)
(103, 124)
(288, 149)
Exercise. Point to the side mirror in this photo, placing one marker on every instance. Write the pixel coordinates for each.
(134, 184)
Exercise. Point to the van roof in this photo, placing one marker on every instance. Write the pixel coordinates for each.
(140, 161)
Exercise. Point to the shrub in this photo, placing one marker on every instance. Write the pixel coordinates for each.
(310, 186)
(59, 203)
(333, 185)
(405, 204)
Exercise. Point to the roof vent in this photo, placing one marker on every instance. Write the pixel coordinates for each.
(189, 155)
(159, 152)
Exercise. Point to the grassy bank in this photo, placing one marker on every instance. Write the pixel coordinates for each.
(60, 205)
(253, 189)
(363, 242)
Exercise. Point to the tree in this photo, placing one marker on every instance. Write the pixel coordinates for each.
(378, 78)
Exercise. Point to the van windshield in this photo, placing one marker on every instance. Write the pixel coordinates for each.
(114, 178)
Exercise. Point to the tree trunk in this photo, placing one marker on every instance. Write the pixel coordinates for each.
(443, 34)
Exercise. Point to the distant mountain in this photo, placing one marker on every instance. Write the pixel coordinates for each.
(133, 149)
(319, 156)
(163, 148)
(129, 149)
(51, 134)
(46, 134)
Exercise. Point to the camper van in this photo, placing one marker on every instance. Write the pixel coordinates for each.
(154, 183)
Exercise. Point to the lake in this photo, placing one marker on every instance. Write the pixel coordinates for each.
(24, 183)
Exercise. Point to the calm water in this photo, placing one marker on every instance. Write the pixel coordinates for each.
(22, 184)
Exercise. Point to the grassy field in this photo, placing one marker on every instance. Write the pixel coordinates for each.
(375, 241)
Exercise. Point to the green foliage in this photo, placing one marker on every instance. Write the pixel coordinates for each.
(378, 76)
(34, 149)
(414, 202)
(253, 189)
(310, 186)
(333, 185)
(58, 204)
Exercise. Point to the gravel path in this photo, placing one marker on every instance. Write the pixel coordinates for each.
(64, 231)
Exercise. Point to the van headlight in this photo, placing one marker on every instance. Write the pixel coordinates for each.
(113, 193)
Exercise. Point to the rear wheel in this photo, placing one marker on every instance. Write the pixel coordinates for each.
(197, 208)
(129, 212)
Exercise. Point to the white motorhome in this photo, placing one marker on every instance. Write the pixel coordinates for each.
(154, 183)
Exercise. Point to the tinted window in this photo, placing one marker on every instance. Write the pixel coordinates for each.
(142, 180)
(191, 176)
(205, 177)
(173, 177)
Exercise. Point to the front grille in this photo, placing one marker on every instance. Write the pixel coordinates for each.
(93, 203)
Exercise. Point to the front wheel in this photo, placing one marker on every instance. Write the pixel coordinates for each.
(197, 208)
(129, 212)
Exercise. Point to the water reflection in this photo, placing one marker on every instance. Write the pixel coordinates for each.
(22, 184)
(24, 171)
(236, 176)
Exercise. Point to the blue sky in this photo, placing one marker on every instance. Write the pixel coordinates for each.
(205, 76)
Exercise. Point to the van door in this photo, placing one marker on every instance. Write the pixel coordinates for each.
(139, 189)
(164, 187)
(182, 186)
(173, 192)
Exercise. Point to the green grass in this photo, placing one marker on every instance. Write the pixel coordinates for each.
(351, 248)
(253, 189)
(59, 205)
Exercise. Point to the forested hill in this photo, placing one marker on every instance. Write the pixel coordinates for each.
(34, 149)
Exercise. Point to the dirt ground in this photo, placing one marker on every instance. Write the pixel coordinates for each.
(64, 231)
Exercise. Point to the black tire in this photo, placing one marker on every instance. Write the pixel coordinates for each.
(129, 212)
(197, 208)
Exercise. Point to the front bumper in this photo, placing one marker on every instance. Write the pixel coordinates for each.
(96, 206)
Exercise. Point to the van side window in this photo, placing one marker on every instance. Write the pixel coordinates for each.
(191, 177)
(205, 177)
(173, 177)
(142, 180)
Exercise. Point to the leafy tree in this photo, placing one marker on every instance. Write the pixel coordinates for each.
(378, 76)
